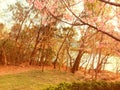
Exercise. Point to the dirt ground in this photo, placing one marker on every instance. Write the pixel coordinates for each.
(105, 75)
(16, 69)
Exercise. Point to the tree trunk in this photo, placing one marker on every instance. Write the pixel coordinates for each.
(77, 61)
(35, 47)
(57, 56)
(4, 58)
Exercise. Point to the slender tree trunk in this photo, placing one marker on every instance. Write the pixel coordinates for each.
(42, 55)
(56, 59)
(43, 63)
(32, 54)
(4, 57)
(105, 61)
(35, 47)
(22, 23)
(69, 57)
(87, 64)
(99, 58)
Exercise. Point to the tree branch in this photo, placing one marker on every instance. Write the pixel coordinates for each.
(110, 3)
(92, 26)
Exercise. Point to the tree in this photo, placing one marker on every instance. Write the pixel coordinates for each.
(91, 20)
(67, 4)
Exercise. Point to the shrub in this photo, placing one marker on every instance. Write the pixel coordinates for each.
(92, 85)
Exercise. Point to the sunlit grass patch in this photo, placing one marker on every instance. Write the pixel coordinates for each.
(34, 80)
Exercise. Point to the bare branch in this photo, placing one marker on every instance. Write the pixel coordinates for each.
(111, 3)
(57, 18)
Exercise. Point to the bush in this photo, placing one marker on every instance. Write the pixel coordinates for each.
(92, 85)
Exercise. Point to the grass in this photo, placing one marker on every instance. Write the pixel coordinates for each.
(35, 80)
(51, 79)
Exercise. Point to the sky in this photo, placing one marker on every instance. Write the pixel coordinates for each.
(5, 16)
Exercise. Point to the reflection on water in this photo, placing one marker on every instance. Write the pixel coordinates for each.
(112, 64)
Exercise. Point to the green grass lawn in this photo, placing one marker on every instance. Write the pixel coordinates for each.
(35, 80)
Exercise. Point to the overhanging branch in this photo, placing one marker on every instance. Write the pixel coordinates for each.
(111, 3)
(92, 26)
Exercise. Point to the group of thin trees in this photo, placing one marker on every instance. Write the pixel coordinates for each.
(38, 37)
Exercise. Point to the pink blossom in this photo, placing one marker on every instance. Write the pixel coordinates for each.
(30, 1)
(39, 5)
(101, 45)
(95, 19)
(91, 1)
(68, 17)
(48, 5)
(107, 18)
